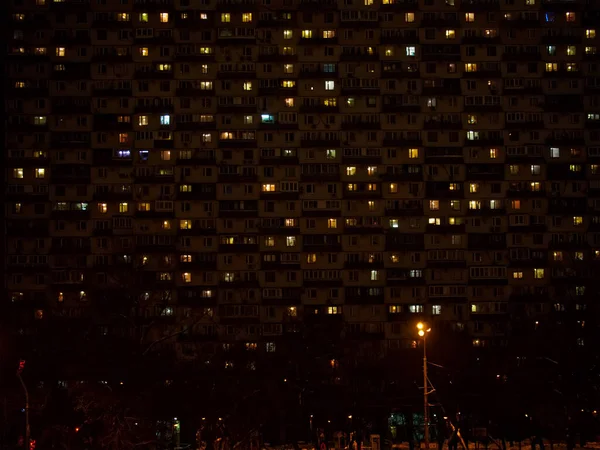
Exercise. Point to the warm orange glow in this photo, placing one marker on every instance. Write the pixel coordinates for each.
(420, 326)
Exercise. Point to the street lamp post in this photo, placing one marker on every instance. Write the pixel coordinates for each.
(423, 333)
(24, 386)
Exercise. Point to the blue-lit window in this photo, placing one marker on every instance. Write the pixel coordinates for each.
(165, 119)
(144, 155)
(329, 68)
(549, 17)
(124, 154)
(80, 206)
(267, 118)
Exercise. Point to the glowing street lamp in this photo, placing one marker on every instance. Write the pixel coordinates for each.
(422, 332)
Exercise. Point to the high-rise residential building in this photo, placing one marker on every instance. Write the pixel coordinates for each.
(241, 168)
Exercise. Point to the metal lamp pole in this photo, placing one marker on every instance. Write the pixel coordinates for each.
(27, 428)
(423, 333)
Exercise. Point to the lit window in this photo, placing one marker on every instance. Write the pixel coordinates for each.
(493, 153)
(469, 17)
(123, 207)
(538, 274)
(247, 85)
(165, 119)
(143, 17)
(311, 258)
(374, 275)
(166, 224)
(332, 223)
(515, 204)
(389, 51)
(577, 221)
(289, 102)
(372, 170)
(551, 67)
(123, 17)
(268, 188)
(288, 34)
(393, 189)
(165, 155)
(570, 16)
(206, 51)
(409, 17)
(590, 34)
(290, 241)
(143, 206)
(557, 256)
(248, 120)
(164, 67)
(413, 153)
(434, 205)
(474, 204)
(350, 170)
(329, 85)
(269, 241)
(185, 224)
(307, 34)
(331, 154)
(144, 51)
(164, 17)
(60, 51)
(123, 138)
(471, 67)
(18, 173)
(186, 277)
(517, 275)
(142, 121)
(40, 50)
(350, 102)
(328, 34)
(225, 17)
(571, 50)
(246, 17)
(411, 50)
(40, 173)
(450, 34)
(288, 83)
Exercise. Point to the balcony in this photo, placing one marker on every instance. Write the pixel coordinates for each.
(153, 74)
(318, 40)
(360, 90)
(400, 141)
(237, 143)
(400, 108)
(317, 73)
(360, 125)
(277, 58)
(359, 56)
(317, 142)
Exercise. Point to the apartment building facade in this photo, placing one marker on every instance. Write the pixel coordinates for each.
(243, 168)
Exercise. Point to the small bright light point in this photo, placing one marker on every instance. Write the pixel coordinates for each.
(220, 419)
(349, 417)
(285, 380)
(174, 418)
(421, 333)
(420, 326)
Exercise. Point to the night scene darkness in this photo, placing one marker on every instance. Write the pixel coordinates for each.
(301, 225)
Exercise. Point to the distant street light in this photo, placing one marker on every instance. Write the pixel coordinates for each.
(422, 331)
